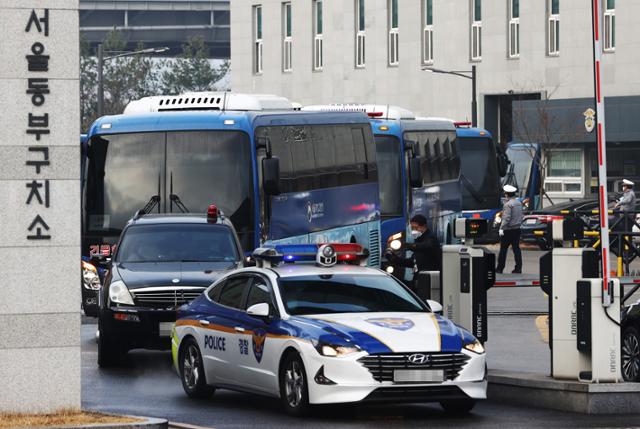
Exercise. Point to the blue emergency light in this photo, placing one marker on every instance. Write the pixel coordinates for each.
(290, 253)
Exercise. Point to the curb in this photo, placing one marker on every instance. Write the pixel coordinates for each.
(145, 423)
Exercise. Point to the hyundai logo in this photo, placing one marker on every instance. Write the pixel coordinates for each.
(419, 359)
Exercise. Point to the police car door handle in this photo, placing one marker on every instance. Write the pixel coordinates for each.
(204, 322)
(239, 329)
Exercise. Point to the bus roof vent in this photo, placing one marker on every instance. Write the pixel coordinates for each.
(208, 101)
(379, 111)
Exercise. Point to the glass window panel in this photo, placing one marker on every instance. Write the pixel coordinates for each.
(394, 13)
(319, 17)
(515, 8)
(259, 22)
(231, 294)
(429, 12)
(477, 10)
(564, 163)
(611, 4)
(360, 15)
(287, 13)
(555, 7)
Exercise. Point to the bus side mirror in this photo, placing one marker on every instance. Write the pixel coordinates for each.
(271, 176)
(415, 173)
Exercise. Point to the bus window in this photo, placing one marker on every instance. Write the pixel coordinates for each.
(481, 189)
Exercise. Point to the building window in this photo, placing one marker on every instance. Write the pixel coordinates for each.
(257, 39)
(287, 40)
(514, 28)
(564, 171)
(554, 27)
(476, 30)
(610, 26)
(427, 32)
(392, 8)
(360, 34)
(318, 43)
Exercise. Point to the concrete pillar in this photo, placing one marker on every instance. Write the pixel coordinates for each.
(39, 205)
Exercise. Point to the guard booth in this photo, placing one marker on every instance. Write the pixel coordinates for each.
(468, 272)
(584, 312)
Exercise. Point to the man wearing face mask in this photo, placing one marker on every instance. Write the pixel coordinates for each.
(510, 230)
(427, 255)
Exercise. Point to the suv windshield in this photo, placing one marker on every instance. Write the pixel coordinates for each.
(178, 243)
(345, 294)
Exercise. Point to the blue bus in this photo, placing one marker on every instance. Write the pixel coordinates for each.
(407, 166)
(524, 173)
(461, 169)
(280, 176)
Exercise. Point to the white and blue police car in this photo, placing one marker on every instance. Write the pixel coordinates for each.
(329, 332)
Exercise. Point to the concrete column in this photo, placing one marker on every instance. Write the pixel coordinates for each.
(39, 205)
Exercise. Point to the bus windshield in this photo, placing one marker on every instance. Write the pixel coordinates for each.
(479, 179)
(389, 158)
(198, 168)
(521, 158)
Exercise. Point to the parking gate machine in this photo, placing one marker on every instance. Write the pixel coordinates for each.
(584, 316)
(467, 273)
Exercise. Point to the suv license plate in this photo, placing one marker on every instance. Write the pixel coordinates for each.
(165, 329)
(417, 375)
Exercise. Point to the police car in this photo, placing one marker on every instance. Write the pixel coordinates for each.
(324, 333)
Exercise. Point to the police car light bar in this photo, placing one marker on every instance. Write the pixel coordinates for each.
(323, 254)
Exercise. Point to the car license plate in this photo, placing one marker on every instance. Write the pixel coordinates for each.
(417, 375)
(530, 221)
(165, 329)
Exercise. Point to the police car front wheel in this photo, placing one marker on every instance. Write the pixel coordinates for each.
(194, 382)
(294, 390)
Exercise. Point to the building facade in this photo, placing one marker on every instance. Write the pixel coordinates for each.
(159, 23)
(529, 55)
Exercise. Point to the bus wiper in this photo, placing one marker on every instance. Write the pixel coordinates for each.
(472, 190)
(153, 202)
(176, 200)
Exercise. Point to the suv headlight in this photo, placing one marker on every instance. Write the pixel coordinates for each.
(334, 350)
(475, 347)
(119, 293)
(90, 278)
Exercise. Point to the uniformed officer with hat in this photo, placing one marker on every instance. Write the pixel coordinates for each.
(627, 203)
(510, 230)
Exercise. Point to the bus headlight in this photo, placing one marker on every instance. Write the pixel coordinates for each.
(90, 279)
(395, 245)
(390, 269)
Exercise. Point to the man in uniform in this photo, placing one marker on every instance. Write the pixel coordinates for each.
(627, 204)
(510, 230)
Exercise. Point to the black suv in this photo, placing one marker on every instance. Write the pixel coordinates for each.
(161, 263)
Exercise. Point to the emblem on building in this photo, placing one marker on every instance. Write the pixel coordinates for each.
(589, 119)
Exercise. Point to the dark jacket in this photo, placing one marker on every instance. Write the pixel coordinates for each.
(427, 254)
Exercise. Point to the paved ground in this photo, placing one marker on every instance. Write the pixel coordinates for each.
(147, 385)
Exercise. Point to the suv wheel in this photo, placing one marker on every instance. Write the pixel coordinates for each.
(631, 354)
(109, 354)
(192, 374)
(294, 391)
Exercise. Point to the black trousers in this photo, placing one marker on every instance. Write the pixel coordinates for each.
(511, 238)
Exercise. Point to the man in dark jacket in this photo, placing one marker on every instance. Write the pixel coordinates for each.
(427, 254)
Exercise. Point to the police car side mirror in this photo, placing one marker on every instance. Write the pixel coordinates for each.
(436, 307)
(271, 176)
(259, 310)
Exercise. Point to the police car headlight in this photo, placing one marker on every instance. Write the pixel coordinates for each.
(333, 350)
(119, 293)
(475, 347)
(90, 279)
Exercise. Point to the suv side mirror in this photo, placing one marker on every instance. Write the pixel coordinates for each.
(271, 176)
(415, 173)
(259, 310)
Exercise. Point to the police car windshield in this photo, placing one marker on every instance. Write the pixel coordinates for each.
(178, 243)
(345, 294)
